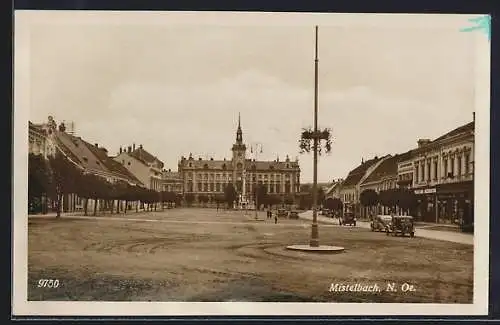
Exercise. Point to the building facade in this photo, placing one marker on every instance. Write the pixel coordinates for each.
(143, 165)
(333, 191)
(210, 177)
(441, 173)
(351, 186)
(384, 177)
(48, 138)
(172, 181)
(41, 138)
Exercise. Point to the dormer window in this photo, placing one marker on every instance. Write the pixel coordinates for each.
(205, 166)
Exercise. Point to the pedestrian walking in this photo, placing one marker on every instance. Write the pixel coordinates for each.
(275, 218)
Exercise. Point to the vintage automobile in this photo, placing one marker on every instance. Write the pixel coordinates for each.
(348, 219)
(380, 222)
(293, 215)
(282, 213)
(402, 225)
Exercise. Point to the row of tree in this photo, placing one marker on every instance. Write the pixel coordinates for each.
(57, 177)
(402, 198)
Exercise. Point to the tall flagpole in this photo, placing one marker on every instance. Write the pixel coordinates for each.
(314, 228)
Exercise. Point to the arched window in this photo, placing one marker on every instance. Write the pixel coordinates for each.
(239, 165)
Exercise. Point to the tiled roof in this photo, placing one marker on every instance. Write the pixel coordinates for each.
(112, 165)
(461, 129)
(333, 186)
(357, 173)
(249, 164)
(144, 156)
(76, 149)
(388, 167)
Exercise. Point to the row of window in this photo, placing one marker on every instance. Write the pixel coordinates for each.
(238, 166)
(219, 187)
(248, 176)
(452, 166)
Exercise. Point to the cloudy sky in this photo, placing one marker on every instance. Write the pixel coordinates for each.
(178, 88)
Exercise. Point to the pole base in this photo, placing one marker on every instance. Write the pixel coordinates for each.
(314, 242)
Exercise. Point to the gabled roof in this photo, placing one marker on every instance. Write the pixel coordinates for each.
(75, 148)
(461, 129)
(142, 155)
(112, 165)
(333, 186)
(357, 173)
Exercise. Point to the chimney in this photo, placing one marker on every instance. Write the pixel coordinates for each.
(423, 142)
(474, 117)
(133, 147)
(121, 150)
(140, 146)
(169, 170)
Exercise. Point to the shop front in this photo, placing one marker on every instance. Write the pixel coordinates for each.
(426, 204)
(451, 203)
(456, 203)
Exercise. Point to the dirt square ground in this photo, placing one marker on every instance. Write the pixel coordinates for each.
(208, 255)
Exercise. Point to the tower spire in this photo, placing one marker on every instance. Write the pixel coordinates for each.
(239, 133)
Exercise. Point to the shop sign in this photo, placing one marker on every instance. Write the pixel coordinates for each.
(425, 191)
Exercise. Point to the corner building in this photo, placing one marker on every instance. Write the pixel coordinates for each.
(210, 177)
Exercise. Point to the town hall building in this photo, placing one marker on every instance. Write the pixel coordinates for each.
(209, 177)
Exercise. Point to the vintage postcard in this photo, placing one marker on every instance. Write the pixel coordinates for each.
(223, 163)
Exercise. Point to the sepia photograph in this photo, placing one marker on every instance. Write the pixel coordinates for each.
(232, 163)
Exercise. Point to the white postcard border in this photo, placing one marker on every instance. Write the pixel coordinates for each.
(20, 305)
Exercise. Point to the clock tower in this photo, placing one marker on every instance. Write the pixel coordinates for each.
(239, 149)
(239, 154)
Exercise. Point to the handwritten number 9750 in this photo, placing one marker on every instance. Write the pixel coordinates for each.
(48, 283)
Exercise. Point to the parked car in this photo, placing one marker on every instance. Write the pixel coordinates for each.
(348, 219)
(380, 222)
(402, 225)
(282, 213)
(293, 215)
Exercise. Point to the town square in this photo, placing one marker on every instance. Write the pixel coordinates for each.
(246, 163)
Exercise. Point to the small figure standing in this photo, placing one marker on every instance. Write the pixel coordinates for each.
(275, 218)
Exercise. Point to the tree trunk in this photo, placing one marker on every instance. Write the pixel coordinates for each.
(136, 206)
(126, 207)
(95, 206)
(85, 206)
(58, 205)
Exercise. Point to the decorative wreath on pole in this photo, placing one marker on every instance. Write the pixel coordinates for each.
(306, 142)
